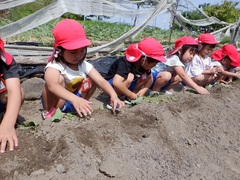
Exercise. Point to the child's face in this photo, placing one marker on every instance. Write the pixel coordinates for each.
(74, 56)
(206, 50)
(226, 62)
(149, 64)
(188, 55)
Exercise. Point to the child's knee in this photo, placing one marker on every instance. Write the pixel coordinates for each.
(3, 97)
(167, 76)
(164, 76)
(177, 79)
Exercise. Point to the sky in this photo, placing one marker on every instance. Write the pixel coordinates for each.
(162, 20)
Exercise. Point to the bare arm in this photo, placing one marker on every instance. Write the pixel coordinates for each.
(146, 87)
(118, 82)
(52, 78)
(7, 127)
(102, 83)
(188, 80)
(230, 74)
(212, 71)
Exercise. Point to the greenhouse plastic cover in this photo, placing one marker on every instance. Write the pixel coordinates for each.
(109, 8)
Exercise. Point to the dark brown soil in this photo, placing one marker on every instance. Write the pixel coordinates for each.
(183, 136)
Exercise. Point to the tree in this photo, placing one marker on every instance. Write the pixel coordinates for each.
(227, 12)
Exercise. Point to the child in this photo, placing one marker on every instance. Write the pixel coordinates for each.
(70, 80)
(200, 69)
(130, 75)
(228, 58)
(11, 99)
(167, 75)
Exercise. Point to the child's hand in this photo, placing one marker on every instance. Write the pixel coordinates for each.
(116, 103)
(82, 106)
(8, 135)
(133, 96)
(238, 74)
(225, 82)
(214, 70)
(219, 69)
(202, 90)
(141, 93)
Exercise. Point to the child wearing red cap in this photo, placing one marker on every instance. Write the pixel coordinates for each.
(11, 99)
(170, 73)
(130, 75)
(201, 69)
(228, 58)
(70, 80)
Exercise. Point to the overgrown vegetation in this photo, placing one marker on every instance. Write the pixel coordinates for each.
(100, 32)
(227, 11)
(97, 31)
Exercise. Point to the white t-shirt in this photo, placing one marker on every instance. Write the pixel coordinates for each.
(198, 65)
(171, 62)
(73, 78)
(216, 64)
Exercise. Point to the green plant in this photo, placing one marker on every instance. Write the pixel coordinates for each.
(225, 40)
(98, 32)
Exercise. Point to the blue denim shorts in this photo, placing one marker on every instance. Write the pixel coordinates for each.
(154, 75)
(131, 87)
(68, 106)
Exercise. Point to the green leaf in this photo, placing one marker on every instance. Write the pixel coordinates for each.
(57, 117)
(29, 124)
(70, 116)
(226, 85)
(135, 101)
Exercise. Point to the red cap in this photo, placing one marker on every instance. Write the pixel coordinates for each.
(149, 47)
(238, 62)
(7, 58)
(70, 35)
(207, 38)
(227, 50)
(185, 40)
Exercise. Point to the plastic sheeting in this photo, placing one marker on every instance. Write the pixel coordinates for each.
(7, 4)
(102, 65)
(107, 8)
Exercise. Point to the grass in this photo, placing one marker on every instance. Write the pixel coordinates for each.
(98, 32)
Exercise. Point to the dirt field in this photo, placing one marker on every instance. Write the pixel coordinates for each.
(183, 136)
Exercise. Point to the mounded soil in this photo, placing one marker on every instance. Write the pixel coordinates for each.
(182, 136)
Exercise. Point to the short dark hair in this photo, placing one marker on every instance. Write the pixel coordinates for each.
(193, 48)
(151, 60)
(211, 45)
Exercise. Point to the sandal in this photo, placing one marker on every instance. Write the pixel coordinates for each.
(48, 114)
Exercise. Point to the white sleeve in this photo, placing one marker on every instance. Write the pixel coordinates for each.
(216, 64)
(174, 61)
(85, 67)
(194, 68)
(56, 65)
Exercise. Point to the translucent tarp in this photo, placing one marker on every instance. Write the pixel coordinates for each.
(108, 8)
